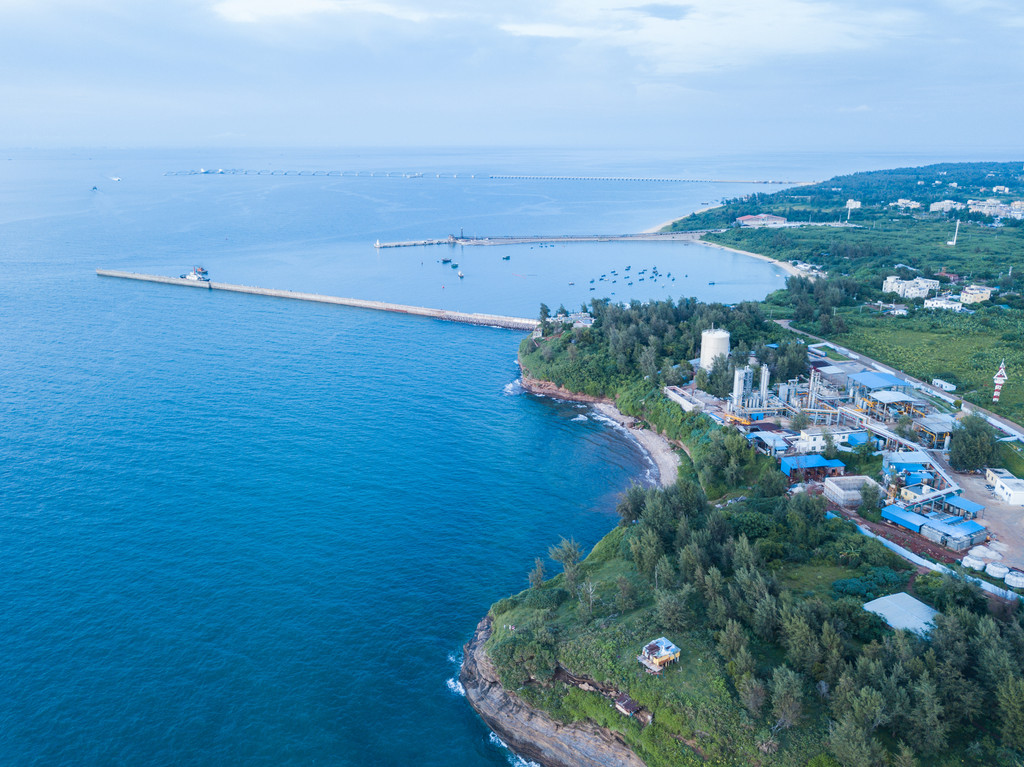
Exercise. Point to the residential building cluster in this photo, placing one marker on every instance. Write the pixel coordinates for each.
(920, 287)
(997, 208)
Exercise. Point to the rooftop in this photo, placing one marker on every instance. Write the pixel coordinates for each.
(902, 611)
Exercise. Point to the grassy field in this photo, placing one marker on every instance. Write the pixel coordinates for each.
(980, 253)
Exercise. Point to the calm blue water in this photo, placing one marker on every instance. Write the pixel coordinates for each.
(239, 530)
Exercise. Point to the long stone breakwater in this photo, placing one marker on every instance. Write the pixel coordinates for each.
(516, 239)
(468, 318)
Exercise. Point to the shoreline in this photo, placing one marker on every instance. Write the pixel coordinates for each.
(787, 267)
(658, 448)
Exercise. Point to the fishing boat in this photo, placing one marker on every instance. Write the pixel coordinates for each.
(446, 260)
(461, 275)
(454, 265)
(195, 275)
(505, 258)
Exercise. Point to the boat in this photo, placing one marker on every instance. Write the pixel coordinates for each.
(506, 258)
(711, 283)
(461, 275)
(572, 283)
(195, 275)
(446, 260)
(454, 265)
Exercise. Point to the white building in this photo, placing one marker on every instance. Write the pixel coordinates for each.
(1007, 487)
(973, 294)
(938, 383)
(919, 287)
(1001, 190)
(945, 206)
(812, 439)
(853, 204)
(948, 303)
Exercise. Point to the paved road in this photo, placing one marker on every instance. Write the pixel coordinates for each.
(1010, 427)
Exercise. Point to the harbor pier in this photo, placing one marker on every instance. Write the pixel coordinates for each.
(468, 318)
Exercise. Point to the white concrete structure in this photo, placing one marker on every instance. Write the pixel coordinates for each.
(713, 343)
(845, 491)
(938, 383)
(947, 303)
(1007, 487)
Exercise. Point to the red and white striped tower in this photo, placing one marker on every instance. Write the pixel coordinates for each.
(999, 379)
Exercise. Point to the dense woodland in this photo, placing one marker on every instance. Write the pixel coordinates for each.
(781, 665)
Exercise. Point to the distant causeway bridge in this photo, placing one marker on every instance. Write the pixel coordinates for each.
(494, 176)
(468, 318)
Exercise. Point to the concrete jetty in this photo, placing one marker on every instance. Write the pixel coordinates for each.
(468, 318)
(515, 239)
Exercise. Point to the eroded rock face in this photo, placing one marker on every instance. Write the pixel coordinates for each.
(530, 733)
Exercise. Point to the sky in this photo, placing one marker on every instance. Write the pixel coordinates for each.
(751, 75)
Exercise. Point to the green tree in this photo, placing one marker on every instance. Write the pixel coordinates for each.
(631, 504)
(567, 554)
(787, 697)
(831, 451)
(625, 600)
(972, 445)
(928, 730)
(799, 421)
(851, 745)
(545, 313)
(870, 501)
(905, 427)
(537, 573)
(1010, 694)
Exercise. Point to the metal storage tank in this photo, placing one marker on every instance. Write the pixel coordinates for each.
(996, 570)
(1015, 579)
(975, 563)
(713, 343)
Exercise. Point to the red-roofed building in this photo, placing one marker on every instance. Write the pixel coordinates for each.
(761, 219)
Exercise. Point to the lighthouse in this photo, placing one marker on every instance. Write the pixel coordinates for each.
(999, 379)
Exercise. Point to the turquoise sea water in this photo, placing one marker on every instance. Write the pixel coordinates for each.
(239, 530)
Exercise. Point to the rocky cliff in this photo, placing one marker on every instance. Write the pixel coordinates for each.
(531, 733)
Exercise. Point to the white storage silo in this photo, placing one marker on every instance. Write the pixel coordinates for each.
(1015, 579)
(713, 343)
(996, 570)
(975, 563)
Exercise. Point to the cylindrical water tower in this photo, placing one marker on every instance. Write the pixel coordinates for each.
(713, 343)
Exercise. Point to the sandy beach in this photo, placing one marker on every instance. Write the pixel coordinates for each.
(661, 451)
(784, 265)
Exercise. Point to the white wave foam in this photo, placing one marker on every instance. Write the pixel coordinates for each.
(581, 417)
(513, 759)
(512, 388)
(456, 686)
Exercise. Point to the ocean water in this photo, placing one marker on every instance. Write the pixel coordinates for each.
(239, 530)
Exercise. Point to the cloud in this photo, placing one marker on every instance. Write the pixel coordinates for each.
(255, 11)
(710, 35)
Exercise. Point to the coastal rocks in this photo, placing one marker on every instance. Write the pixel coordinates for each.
(530, 733)
(548, 389)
